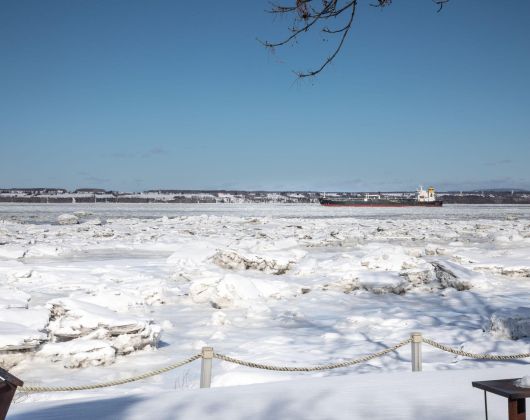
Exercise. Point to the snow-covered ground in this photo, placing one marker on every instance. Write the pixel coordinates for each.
(446, 395)
(121, 289)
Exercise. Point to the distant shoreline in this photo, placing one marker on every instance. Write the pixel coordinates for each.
(96, 195)
(61, 200)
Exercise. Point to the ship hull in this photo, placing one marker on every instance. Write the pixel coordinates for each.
(379, 203)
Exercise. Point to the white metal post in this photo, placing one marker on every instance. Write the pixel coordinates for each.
(206, 367)
(415, 345)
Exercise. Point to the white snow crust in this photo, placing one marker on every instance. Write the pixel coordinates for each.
(511, 323)
(131, 288)
(523, 382)
(68, 219)
(440, 395)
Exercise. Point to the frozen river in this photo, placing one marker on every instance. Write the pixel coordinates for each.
(131, 287)
(47, 213)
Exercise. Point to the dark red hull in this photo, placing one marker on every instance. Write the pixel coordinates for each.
(379, 203)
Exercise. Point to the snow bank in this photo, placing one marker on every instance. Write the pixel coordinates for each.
(456, 276)
(68, 219)
(13, 298)
(524, 382)
(237, 290)
(23, 330)
(93, 222)
(389, 258)
(23, 327)
(191, 255)
(90, 334)
(72, 318)
(79, 353)
(516, 271)
(383, 282)
(139, 291)
(418, 277)
(39, 251)
(437, 395)
(234, 260)
(75, 333)
(12, 252)
(346, 284)
(511, 323)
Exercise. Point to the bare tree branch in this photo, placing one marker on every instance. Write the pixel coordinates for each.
(310, 14)
(332, 56)
(440, 3)
(382, 3)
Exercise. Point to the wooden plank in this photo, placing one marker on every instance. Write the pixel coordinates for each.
(7, 391)
(516, 409)
(5, 376)
(8, 387)
(503, 387)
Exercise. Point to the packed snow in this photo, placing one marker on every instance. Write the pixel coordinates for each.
(90, 293)
(440, 395)
(523, 382)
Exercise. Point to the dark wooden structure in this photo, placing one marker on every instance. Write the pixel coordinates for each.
(507, 388)
(8, 387)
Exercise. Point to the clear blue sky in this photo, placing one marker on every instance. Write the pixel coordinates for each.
(133, 95)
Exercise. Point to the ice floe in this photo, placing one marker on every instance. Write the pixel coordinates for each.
(68, 219)
(511, 323)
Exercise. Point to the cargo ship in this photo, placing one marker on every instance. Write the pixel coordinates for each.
(422, 199)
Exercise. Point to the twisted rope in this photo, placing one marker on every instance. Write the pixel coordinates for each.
(474, 355)
(36, 388)
(346, 363)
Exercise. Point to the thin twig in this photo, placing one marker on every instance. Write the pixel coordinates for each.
(307, 17)
(332, 56)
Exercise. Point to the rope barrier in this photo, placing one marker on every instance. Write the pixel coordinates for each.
(346, 363)
(37, 388)
(223, 357)
(486, 356)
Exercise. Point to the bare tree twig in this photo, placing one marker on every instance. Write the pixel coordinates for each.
(308, 16)
(332, 56)
(297, 31)
(440, 3)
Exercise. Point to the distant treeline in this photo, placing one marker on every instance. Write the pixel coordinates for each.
(57, 196)
(188, 200)
(478, 199)
(74, 200)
